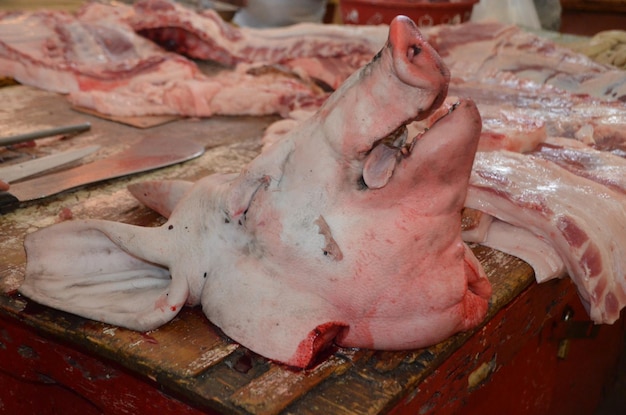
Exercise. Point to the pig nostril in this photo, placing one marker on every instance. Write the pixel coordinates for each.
(413, 51)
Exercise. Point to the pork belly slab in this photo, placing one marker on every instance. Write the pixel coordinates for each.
(204, 35)
(584, 221)
(105, 66)
(326, 53)
(57, 52)
(480, 50)
(359, 245)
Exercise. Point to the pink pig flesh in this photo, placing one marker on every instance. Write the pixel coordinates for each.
(343, 231)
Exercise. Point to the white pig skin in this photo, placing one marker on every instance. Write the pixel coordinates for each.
(298, 251)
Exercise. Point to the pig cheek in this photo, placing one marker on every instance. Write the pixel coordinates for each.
(266, 225)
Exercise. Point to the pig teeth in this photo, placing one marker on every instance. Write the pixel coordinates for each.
(397, 138)
(453, 107)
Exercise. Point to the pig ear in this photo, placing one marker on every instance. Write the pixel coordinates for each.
(161, 196)
(379, 166)
(77, 267)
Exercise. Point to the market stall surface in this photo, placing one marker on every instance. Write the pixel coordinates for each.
(199, 368)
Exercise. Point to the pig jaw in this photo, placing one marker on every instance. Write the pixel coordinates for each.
(377, 266)
(413, 272)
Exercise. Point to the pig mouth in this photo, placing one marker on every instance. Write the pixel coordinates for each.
(387, 152)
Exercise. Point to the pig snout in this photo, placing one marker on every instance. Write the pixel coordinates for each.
(416, 63)
(406, 81)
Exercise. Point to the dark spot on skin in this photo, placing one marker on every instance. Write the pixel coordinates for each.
(326, 253)
(170, 227)
(205, 275)
(226, 220)
(240, 223)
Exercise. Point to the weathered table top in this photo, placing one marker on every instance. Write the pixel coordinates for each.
(188, 356)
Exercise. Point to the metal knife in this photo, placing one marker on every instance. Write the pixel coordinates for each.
(29, 168)
(66, 129)
(150, 153)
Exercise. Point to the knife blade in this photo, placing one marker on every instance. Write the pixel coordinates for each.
(149, 154)
(29, 168)
(66, 129)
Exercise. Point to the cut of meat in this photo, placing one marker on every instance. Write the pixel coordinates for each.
(476, 51)
(513, 105)
(105, 66)
(600, 166)
(206, 36)
(521, 243)
(56, 52)
(226, 93)
(511, 131)
(562, 208)
(329, 53)
(482, 228)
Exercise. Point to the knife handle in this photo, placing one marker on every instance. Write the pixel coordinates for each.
(8, 202)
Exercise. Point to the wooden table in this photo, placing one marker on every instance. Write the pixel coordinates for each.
(54, 362)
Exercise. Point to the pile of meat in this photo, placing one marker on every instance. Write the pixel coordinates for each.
(99, 58)
(548, 180)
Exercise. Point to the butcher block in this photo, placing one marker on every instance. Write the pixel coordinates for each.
(535, 353)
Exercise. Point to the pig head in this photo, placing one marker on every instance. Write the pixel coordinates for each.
(346, 231)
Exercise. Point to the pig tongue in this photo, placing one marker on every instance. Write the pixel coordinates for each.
(381, 162)
(383, 158)
(379, 166)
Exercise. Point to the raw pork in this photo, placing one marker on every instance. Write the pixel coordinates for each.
(600, 166)
(355, 245)
(206, 36)
(328, 53)
(104, 65)
(476, 51)
(526, 113)
(583, 221)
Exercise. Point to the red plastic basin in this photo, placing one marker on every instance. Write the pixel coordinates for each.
(423, 12)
